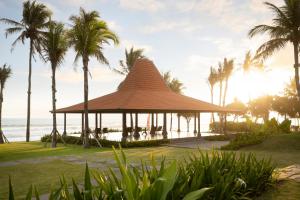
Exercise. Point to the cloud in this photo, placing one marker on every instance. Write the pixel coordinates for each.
(198, 62)
(142, 5)
(114, 26)
(172, 25)
(128, 44)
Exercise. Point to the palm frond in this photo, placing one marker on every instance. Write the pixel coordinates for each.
(269, 47)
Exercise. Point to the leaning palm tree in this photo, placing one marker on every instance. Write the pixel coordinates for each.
(126, 65)
(227, 71)
(87, 35)
(212, 81)
(5, 73)
(33, 22)
(284, 29)
(54, 49)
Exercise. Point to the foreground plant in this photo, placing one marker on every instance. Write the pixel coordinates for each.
(220, 176)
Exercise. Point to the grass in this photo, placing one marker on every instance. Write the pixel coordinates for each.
(32, 163)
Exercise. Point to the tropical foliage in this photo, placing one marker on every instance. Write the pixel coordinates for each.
(221, 176)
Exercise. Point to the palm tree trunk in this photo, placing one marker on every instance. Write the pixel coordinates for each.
(220, 104)
(1, 100)
(296, 52)
(212, 101)
(54, 131)
(29, 93)
(225, 91)
(86, 112)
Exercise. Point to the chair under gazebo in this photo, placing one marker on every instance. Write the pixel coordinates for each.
(143, 92)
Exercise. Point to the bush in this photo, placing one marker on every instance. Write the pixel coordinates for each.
(285, 126)
(221, 176)
(218, 137)
(108, 143)
(245, 139)
(247, 126)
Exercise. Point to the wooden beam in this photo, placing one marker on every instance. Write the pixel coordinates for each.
(195, 123)
(199, 131)
(124, 126)
(164, 132)
(96, 124)
(152, 131)
(136, 129)
(100, 122)
(178, 123)
(82, 124)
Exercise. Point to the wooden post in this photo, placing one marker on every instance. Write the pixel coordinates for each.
(82, 124)
(199, 132)
(178, 117)
(195, 123)
(124, 126)
(152, 131)
(100, 122)
(156, 123)
(136, 129)
(65, 124)
(164, 132)
(96, 124)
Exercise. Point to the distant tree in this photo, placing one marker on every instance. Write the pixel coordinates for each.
(290, 89)
(188, 118)
(175, 85)
(126, 65)
(5, 73)
(220, 80)
(212, 81)
(87, 35)
(237, 105)
(260, 107)
(228, 67)
(54, 49)
(284, 29)
(34, 21)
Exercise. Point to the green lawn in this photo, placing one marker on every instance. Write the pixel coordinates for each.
(32, 163)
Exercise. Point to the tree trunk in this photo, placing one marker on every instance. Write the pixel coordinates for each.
(296, 58)
(212, 101)
(54, 130)
(1, 100)
(220, 104)
(225, 91)
(86, 112)
(29, 93)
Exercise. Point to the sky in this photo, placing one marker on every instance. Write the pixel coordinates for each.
(185, 37)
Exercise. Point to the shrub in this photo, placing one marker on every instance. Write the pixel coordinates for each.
(246, 126)
(218, 137)
(108, 143)
(245, 139)
(220, 177)
(285, 126)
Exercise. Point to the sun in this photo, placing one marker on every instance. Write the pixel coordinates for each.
(255, 83)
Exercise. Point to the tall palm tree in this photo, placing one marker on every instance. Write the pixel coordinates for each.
(87, 35)
(31, 26)
(126, 65)
(227, 72)
(284, 29)
(212, 81)
(54, 49)
(5, 73)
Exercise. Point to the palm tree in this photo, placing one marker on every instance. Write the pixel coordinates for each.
(5, 73)
(31, 26)
(175, 85)
(125, 67)
(227, 72)
(220, 80)
(87, 35)
(212, 80)
(284, 29)
(54, 49)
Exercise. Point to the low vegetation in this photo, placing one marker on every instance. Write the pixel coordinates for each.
(221, 176)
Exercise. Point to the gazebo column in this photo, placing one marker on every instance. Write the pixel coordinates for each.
(124, 126)
(164, 132)
(96, 125)
(152, 131)
(100, 122)
(195, 123)
(82, 124)
(199, 132)
(136, 129)
(65, 124)
(178, 124)
(156, 122)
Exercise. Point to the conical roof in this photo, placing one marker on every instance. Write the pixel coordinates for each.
(144, 90)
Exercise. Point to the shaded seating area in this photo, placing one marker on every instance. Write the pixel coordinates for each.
(143, 92)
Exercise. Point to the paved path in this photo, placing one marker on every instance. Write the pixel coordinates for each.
(202, 144)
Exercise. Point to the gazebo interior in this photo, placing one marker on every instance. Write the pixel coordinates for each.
(143, 92)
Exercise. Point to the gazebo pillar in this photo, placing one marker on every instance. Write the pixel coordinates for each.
(164, 132)
(124, 126)
(152, 131)
(195, 123)
(199, 132)
(96, 125)
(82, 124)
(100, 122)
(178, 124)
(136, 129)
(65, 124)
(156, 122)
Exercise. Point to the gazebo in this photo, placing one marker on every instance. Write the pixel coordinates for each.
(144, 92)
